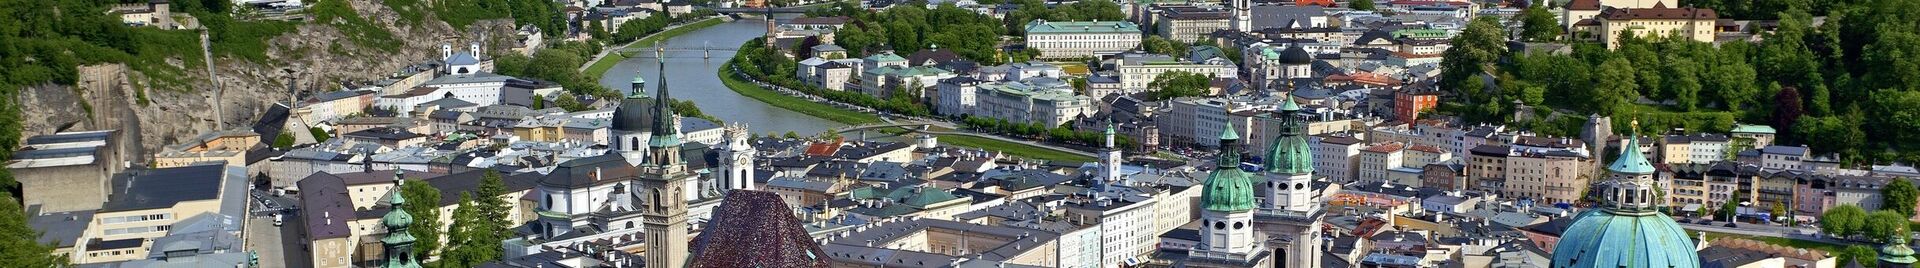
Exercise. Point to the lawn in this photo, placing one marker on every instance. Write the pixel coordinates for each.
(1789, 242)
(1016, 149)
(792, 103)
(613, 58)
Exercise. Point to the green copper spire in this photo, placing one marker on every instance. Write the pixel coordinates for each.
(1287, 104)
(1228, 189)
(664, 133)
(399, 242)
(1631, 161)
(1897, 251)
(1289, 152)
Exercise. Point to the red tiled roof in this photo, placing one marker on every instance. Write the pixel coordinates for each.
(1385, 147)
(824, 148)
(1588, 5)
(1424, 148)
(755, 229)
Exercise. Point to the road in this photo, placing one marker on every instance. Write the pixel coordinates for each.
(277, 246)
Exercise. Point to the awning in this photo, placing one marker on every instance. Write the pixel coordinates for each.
(1690, 208)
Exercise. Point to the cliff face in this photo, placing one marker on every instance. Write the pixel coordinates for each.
(107, 97)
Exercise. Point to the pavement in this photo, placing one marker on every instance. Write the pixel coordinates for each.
(277, 246)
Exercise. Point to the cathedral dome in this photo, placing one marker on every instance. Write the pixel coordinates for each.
(1605, 238)
(1295, 55)
(633, 115)
(1227, 189)
(1630, 231)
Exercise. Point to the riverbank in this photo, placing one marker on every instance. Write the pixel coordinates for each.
(791, 103)
(1015, 149)
(612, 56)
(836, 114)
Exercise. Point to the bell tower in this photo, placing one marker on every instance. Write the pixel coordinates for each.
(1291, 215)
(663, 181)
(736, 159)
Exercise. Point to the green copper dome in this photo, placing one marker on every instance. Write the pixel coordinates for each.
(1228, 189)
(1289, 152)
(1605, 238)
(1897, 251)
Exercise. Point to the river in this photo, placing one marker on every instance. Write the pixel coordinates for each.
(695, 78)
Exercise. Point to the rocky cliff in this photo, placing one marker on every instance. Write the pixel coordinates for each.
(108, 96)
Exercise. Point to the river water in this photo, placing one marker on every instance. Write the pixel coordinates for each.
(695, 78)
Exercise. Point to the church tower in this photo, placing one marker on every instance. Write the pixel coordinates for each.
(736, 159)
(1290, 215)
(1242, 16)
(1226, 225)
(1110, 159)
(398, 243)
(1289, 165)
(663, 180)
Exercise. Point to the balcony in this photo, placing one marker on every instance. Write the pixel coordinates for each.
(1287, 215)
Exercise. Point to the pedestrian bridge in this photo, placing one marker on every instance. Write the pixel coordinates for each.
(794, 10)
(921, 126)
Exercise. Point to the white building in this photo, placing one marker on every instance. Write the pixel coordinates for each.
(1138, 70)
(1047, 101)
(1073, 39)
(1336, 157)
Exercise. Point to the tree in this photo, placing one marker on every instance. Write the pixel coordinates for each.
(1832, 134)
(1728, 209)
(1538, 24)
(1843, 220)
(570, 102)
(479, 224)
(1683, 84)
(425, 206)
(1614, 87)
(1856, 253)
(791, 135)
(1158, 45)
(539, 102)
(21, 241)
(1786, 108)
(1884, 224)
(492, 209)
(319, 135)
(1479, 44)
(285, 140)
(464, 235)
(1177, 84)
(1360, 5)
(1899, 197)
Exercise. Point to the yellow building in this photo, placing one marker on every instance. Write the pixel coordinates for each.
(1547, 178)
(144, 204)
(229, 146)
(1687, 23)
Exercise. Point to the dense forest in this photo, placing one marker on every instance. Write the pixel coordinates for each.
(1822, 85)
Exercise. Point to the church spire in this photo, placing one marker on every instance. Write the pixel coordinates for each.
(665, 143)
(399, 242)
